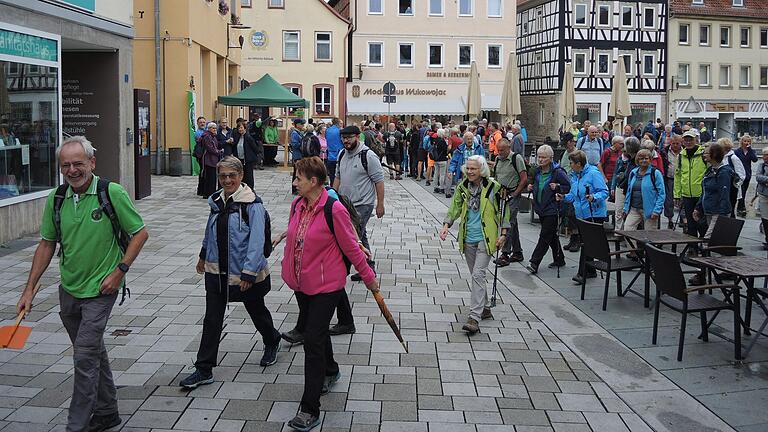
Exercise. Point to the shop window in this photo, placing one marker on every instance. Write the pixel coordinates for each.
(704, 72)
(466, 7)
(322, 46)
(704, 35)
(683, 74)
(405, 54)
(28, 139)
(580, 14)
(405, 7)
(436, 7)
(604, 15)
(494, 56)
(494, 8)
(291, 46)
(683, 34)
(465, 55)
(375, 51)
(435, 55)
(323, 99)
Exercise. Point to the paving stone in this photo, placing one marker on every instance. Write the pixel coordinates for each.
(197, 419)
(246, 410)
(164, 403)
(399, 411)
(153, 419)
(579, 402)
(524, 417)
(395, 392)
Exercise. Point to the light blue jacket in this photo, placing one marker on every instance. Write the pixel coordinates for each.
(653, 197)
(459, 158)
(296, 137)
(590, 177)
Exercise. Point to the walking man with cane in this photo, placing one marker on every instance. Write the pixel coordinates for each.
(510, 171)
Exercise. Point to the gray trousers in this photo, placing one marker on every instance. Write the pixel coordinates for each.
(512, 241)
(364, 211)
(94, 390)
(477, 261)
(440, 176)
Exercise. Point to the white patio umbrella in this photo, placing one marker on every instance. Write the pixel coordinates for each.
(473, 93)
(620, 107)
(568, 98)
(510, 94)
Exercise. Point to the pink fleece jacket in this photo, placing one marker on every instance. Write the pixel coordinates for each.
(322, 264)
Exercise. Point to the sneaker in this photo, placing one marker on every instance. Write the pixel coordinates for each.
(391, 177)
(471, 326)
(670, 225)
(293, 337)
(448, 195)
(428, 183)
(516, 258)
(304, 422)
(487, 314)
(340, 329)
(270, 354)
(436, 190)
(197, 379)
(502, 261)
(532, 268)
(101, 423)
(329, 382)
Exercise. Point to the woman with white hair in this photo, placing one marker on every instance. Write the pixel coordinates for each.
(211, 157)
(735, 163)
(439, 154)
(747, 156)
(476, 203)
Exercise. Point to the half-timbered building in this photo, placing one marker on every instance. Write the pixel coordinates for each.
(591, 35)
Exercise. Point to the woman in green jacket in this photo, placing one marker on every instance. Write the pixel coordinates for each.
(476, 204)
(271, 138)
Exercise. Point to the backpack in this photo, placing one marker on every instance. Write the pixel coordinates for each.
(310, 145)
(652, 172)
(199, 151)
(373, 143)
(583, 139)
(363, 159)
(256, 132)
(328, 213)
(392, 143)
(735, 177)
(242, 209)
(438, 148)
(105, 204)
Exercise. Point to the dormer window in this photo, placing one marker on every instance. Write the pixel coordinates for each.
(700, 2)
(738, 3)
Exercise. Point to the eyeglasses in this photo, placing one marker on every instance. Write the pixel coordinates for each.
(224, 176)
(75, 165)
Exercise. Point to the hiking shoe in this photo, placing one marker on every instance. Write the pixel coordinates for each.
(532, 268)
(436, 190)
(304, 421)
(428, 183)
(197, 379)
(329, 382)
(270, 354)
(471, 326)
(502, 261)
(487, 314)
(516, 258)
(340, 329)
(101, 423)
(448, 195)
(293, 337)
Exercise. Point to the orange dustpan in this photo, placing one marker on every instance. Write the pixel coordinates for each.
(15, 336)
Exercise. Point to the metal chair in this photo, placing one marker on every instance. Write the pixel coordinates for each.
(595, 246)
(723, 241)
(671, 290)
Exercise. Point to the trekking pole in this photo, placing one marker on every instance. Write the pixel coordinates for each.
(557, 233)
(496, 261)
(591, 215)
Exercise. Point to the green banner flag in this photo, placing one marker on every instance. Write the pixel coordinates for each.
(191, 99)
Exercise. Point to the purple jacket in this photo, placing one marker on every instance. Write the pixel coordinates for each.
(212, 153)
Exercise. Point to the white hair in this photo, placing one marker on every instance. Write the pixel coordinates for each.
(211, 124)
(617, 138)
(88, 148)
(485, 171)
(441, 133)
(545, 150)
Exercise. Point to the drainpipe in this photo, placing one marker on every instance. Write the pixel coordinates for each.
(159, 155)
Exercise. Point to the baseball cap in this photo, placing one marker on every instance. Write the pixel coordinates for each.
(567, 137)
(299, 121)
(689, 133)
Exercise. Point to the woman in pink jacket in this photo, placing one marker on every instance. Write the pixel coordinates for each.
(314, 267)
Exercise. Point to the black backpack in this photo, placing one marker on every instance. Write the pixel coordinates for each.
(242, 209)
(105, 205)
(391, 141)
(363, 159)
(199, 151)
(310, 145)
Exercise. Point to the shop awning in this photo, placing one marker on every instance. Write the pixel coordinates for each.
(491, 102)
(362, 106)
(266, 92)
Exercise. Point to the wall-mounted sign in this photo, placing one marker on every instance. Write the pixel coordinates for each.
(259, 39)
(727, 107)
(24, 45)
(447, 74)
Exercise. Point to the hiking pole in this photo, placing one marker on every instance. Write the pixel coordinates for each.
(496, 261)
(557, 233)
(586, 195)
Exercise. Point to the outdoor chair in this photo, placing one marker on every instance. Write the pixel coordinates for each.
(671, 290)
(723, 241)
(595, 246)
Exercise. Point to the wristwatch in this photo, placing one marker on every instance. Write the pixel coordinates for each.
(123, 267)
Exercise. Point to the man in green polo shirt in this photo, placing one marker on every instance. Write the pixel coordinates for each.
(93, 269)
(510, 171)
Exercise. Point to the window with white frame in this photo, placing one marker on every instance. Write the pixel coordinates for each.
(323, 100)
(603, 64)
(746, 36)
(537, 64)
(323, 46)
(725, 75)
(698, 2)
(405, 7)
(603, 15)
(763, 76)
(649, 64)
(245, 3)
(683, 36)
(436, 8)
(405, 54)
(375, 53)
(465, 55)
(725, 36)
(704, 35)
(580, 14)
(435, 55)
(466, 7)
(745, 76)
(704, 72)
(649, 17)
(627, 59)
(291, 45)
(375, 7)
(533, 24)
(539, 18)
(276, 4)
(580, 63)
(494, 56)
(764, 37)
(524, 23)
(494, 8)
(541, 113)
(738, 3)
(295, 89)
(683, 74)
(626, 16)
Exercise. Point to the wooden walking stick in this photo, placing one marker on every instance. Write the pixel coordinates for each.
(15, 336)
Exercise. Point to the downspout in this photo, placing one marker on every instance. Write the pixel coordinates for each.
(159, 154)
(352, 29)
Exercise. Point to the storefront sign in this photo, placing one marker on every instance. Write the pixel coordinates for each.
(23, 45)
(447, 74)
(643, 107)
(727, 107)
(591, 108)
(409, 91)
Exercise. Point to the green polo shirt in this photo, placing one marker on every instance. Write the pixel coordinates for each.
(90, 249)
(506, 174)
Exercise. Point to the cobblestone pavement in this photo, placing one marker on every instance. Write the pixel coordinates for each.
(519, 374)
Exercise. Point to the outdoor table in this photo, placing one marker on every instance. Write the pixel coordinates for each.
(745, 268)
(658, 238)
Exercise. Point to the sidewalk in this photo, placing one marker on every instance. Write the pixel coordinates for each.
(541, 365)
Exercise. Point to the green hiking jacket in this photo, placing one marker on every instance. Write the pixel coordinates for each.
(490, 199)
(689, 174)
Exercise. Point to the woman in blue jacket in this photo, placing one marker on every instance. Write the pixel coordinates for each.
(645, 194)
(459, 157)
(715, 198)
(548, 180)
(588, 194)
(235, 266)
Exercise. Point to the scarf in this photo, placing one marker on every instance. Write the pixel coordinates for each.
(474, 196)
